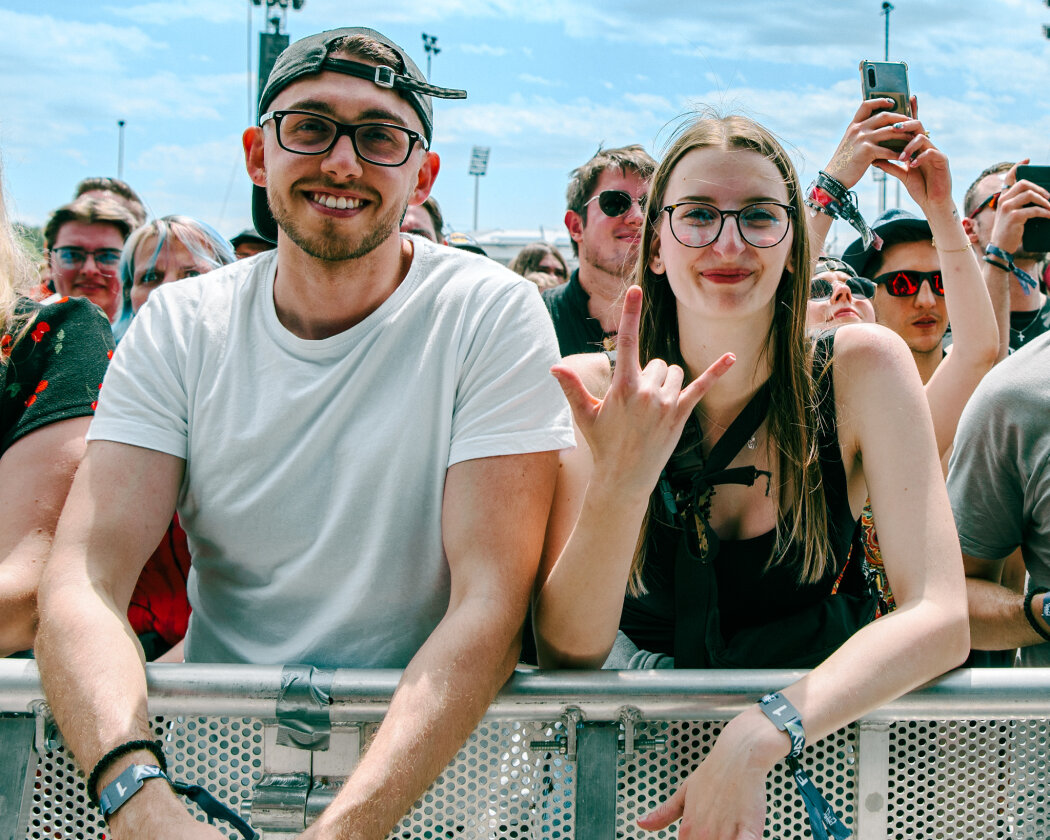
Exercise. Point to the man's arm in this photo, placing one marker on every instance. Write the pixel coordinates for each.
(91, 664)
(35, 474)
(493, 519)
(997, 617)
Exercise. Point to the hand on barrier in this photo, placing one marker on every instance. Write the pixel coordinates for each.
(633, 430)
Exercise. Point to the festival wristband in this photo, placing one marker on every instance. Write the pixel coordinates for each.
(830, 196)
(130, 782)
(120, 751)
(823, 821)
(1045, 613)
(997, 264)
(1027, 283)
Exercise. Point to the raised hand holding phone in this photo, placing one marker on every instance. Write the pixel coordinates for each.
(634, 428)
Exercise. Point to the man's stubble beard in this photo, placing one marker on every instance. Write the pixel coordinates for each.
(329, 245)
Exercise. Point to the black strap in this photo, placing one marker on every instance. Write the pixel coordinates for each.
(214, 809)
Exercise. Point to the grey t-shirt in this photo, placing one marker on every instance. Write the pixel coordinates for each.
(999, 478)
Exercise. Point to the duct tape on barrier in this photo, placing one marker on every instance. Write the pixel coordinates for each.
(303, 707)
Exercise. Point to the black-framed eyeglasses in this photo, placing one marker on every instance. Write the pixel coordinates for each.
(696, 225)
(71, 258)
(307, 133)
(992, 202)
(615, 203)
(821, 289)
(907, 282)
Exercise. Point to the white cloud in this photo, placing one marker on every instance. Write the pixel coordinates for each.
(483, 49)
(530, 79)
(159, 14)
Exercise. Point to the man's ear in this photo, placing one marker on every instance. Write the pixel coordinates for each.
(574, 224)
(971, 230)
(254, 162)
(428, 172)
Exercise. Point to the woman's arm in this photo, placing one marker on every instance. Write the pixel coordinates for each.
(35, 475)
(887, 441)
(923, 169)
(623, 441)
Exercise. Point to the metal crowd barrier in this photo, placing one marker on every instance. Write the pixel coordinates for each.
(559, 756)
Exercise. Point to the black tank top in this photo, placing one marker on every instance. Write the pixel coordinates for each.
(751, 596)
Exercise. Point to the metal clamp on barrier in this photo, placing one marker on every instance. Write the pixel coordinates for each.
(566, 743)
(303, 707)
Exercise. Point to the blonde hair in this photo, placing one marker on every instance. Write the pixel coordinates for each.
(16, 269)
(793, 418)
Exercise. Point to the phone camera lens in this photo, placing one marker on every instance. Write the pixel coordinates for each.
(871, 77)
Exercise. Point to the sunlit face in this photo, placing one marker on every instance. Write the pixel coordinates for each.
(843, 307)
(729, 277)
(551, 265)
(99, 284)
(921, 320)
(369, 200)
(250, 247)
(610, 244)
(174, 262)
(418, 221)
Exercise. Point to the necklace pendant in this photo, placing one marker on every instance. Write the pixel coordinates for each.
(751, 442)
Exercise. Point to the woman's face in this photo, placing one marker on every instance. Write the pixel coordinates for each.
(842, 307)
(174, 262)
(729, 277)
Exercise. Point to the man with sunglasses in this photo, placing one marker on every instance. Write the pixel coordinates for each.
(84, 240)
(361, 431)
(997, 206)
(605, 199)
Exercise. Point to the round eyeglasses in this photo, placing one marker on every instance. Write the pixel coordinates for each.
(696, 225)
(306, 133)
(70, 258)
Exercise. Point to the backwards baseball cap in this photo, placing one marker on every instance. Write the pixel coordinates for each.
(310, 56)
(893, 226)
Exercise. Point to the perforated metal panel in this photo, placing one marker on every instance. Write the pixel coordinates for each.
(978, 778)
(223, 755)
(651, 778)
(499, 788)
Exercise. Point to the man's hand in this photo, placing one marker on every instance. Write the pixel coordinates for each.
(1018, 202)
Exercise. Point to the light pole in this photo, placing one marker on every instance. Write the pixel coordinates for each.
(120, 148)
(431, 49)
(479, 164)
(273, 42)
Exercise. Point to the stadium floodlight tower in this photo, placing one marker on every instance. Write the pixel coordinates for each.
(273, 42)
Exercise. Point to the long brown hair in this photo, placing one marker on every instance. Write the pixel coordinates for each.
(16, 273)
(792, 418)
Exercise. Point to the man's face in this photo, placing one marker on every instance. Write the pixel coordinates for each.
(984, 221)
(610, 244)
(418, 221)
(250, 247)
(75, 268)
(921, 319)
(336, 206)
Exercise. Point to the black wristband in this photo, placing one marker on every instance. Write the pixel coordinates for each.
(1039, 590)
(993, 261)
(124, 749)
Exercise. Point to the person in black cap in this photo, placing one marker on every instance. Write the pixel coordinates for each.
(361, 431)
(248, 243)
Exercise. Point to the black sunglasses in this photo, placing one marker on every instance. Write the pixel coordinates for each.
(906, 282)
(822, 289)
(615, 203)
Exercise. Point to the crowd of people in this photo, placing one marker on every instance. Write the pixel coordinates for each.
(347, 438)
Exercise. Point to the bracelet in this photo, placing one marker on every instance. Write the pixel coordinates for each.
(962, 250)
(823, 821)
(119, 752)
(830, 196)
(1027, 283)
(996, 263)
(1039, 590)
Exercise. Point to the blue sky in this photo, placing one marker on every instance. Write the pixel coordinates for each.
(548, 81)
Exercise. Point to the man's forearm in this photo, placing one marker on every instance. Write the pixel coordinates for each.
(997, 617)
(443, 693)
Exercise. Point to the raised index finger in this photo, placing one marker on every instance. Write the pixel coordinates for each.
(627, 365)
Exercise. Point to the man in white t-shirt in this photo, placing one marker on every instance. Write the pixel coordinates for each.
(361, 435)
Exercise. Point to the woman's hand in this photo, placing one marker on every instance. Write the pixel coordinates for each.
(634, 429)
(921, 167)
(725, 797)
(861, 146)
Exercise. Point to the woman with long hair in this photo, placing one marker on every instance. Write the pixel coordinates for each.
(722, 463)
(52, 360)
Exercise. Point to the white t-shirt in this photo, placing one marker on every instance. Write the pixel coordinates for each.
(315, 469)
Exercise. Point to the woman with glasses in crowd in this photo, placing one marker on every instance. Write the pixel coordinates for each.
(721, 465)
(52, 360)
(165, 251)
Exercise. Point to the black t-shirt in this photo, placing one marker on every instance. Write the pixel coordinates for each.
(577, 331)
(54, 369)
(1024, 326)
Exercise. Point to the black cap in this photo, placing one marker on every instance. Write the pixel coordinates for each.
(249, 235)
(309, 56)
(889, 226)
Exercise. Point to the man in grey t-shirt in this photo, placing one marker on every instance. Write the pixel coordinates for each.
(999, 484)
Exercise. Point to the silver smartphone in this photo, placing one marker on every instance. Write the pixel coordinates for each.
(887, 80)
